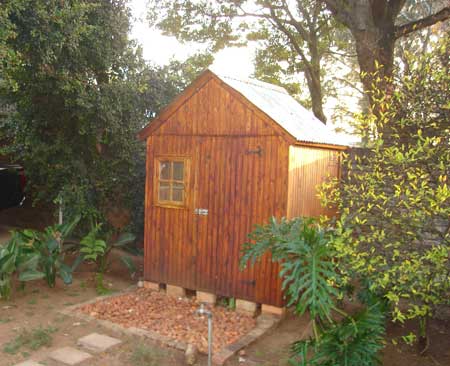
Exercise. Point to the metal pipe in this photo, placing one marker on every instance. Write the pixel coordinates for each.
(203, 311)
(60, 214)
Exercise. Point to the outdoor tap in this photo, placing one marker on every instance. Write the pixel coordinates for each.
(204, 311)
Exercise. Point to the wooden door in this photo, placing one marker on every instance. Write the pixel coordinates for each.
(227, 203)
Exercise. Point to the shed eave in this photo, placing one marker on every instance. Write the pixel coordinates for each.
(321, 145)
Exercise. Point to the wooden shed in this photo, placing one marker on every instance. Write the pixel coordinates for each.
(225, 155)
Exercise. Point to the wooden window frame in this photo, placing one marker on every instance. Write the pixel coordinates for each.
(186, 176)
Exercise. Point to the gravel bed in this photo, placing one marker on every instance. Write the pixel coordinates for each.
(172, 317)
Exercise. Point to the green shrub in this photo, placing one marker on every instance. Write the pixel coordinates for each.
(311, 279)
(394, 199)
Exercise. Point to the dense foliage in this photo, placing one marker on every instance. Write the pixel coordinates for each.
(312, 282)
(395, 197)
(33, 255)
(311, 45)
(82, 92)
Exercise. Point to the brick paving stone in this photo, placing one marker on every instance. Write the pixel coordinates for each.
(69, 356)
(98, 342)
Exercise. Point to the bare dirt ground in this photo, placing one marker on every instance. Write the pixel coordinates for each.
(274, 348)
(38, 306)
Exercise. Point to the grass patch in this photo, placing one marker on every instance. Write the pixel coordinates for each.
(30, 339)
(5, 320)
(144, 355)
(33, 301)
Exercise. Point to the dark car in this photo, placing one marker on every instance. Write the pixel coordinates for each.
(12, 185)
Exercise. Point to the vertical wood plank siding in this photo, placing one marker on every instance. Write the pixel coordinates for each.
(239, 172)
(243, 171)
(308, 168)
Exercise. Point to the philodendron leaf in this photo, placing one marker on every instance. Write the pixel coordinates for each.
(29, 262)
(67, 229)
(78, 260)
(66, 273)
(124, 239)
(31, 275)
(129, 264)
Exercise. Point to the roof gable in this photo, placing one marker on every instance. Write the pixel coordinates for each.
(289, 117)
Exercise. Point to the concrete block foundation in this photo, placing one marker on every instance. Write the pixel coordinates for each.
(175, 291)
(206, 297)
(273, 310)
(246, 307)
(151, 285)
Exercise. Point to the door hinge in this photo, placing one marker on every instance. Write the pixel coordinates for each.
(249, 282)
(257, 151)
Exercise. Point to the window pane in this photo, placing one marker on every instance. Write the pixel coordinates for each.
(164, 170)
(178, 192)
(178, 170)
(164, 191)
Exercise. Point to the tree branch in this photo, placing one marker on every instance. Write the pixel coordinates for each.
(405, 29)
(339, 10)
(278, 24)
(395, 6)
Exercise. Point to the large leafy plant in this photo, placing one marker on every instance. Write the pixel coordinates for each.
(394, 196)
(311, 280)
(94, 248)
(46, 252)
(15, 257)
(34, 255)
(8, 265)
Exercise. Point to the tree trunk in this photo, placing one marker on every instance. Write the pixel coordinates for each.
(315, 91)
(375, 53)
(313, 79)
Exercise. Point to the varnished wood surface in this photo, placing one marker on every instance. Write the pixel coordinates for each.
(240, 165)
(308, 168)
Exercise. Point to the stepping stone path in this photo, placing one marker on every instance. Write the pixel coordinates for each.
(98, 342)
(71, 356)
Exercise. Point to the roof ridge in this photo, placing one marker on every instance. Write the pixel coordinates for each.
(257, 83)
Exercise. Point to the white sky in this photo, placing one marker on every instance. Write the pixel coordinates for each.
(160, 49)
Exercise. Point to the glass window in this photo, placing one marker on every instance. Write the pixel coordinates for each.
(171, 181)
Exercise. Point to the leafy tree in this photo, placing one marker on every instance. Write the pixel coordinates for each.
(375, 26)
(298, 36)
(82, 92)
(182, 73)
(395, 198)
(295, 35)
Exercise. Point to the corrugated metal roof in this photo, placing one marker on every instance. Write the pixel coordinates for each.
(285, 110)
